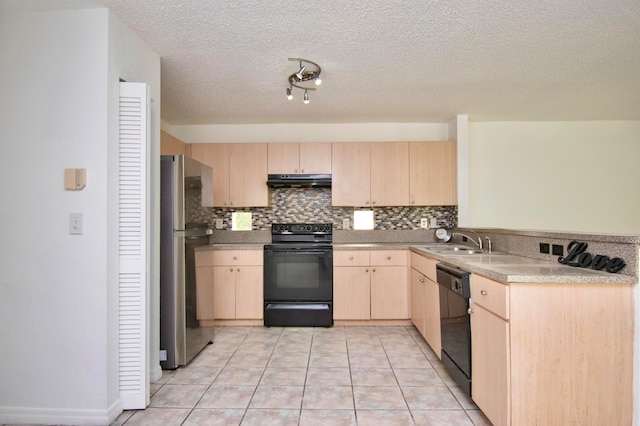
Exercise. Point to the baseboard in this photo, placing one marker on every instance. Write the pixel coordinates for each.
(156, 374)
(60, 416)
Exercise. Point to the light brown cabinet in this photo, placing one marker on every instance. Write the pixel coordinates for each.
(433, 173)
(239, 173)
(231, 284)
(204, 285)
(370, 174)
(552, 353)
(305, 158)
(370, 285)
(425, 300)
(389, 284)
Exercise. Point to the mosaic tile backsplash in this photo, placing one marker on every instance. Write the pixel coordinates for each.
(313, 205)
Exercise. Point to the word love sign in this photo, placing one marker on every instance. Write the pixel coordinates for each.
(579, 257)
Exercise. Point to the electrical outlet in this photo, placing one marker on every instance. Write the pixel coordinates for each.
(219, 224)
(544, 248)
(345, 223)
(424, 222)
(433, 222)
(557, 250)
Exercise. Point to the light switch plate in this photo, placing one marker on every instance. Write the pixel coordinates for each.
(345, 223)
(219, 224)
(433, 222)
(424, 222)
(75, 224)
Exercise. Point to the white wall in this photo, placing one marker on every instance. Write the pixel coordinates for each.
(349, 132)
(557, 176)
(53, 116)
(58, 362)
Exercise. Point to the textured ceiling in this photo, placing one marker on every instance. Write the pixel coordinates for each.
(392, 60)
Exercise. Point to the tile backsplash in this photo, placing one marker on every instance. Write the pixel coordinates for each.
(314, 205)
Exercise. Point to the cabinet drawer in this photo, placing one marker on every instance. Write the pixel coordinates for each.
(426, 266)
(204, 258)
(388, 258)
(238, 257)
(351, 258)
(490, 294)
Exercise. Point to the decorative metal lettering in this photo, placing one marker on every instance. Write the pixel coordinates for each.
(579, 257)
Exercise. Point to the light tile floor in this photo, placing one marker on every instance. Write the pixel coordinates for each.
(310, 376)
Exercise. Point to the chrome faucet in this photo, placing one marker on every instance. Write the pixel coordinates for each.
(489, 245)
(478, 243)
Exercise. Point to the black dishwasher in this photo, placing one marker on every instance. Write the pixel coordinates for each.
(454, 323)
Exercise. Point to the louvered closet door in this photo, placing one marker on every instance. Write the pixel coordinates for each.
(133, 246)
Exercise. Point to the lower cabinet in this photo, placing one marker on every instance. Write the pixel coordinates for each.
(231, 282)
(425, 300)
(490, 364)
(552, 353)
(370, 285)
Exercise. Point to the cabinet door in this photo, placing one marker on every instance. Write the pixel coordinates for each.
(351, 174)
(204, 293)
(490, 365)
(249, 290)
(224, 292)
(432, 316)
(248, 172)
(432, 173)
(283, 158)
(389, 292)
(215, 155)
(351, 293)
(390, 174)
(315, 158)
(417, 300)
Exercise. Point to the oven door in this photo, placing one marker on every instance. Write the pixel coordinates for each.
(298, 272)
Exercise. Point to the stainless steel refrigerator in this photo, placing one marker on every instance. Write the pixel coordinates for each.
(185, 186)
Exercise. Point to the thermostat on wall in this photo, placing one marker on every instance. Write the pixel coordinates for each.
(75, 179)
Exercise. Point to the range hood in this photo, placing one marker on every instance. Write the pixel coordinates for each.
(299, 181)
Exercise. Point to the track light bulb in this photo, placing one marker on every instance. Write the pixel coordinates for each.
(318, 80)
(299, 74)
(306, 97)
(289, 94)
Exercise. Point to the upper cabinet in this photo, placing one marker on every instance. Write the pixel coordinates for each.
(170, 145)
(239, 173)
(299, 158)
(432, 173)
(370, 174)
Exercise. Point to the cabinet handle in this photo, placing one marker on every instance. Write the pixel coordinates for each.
(235, 257)
(230, 269)
(469, 311)
(350, 257)
(301, 170)
(388, 257)
(238, 269)
(421, 279)
(366, 270)
(484, 292)
(374, 269)
(373, 202)
(295, 170)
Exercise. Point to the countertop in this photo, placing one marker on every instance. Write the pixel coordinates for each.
(511, 268)
(501, 267)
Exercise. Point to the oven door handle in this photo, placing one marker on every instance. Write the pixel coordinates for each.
(299, 251)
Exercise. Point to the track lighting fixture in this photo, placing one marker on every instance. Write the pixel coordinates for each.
(302, 76)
